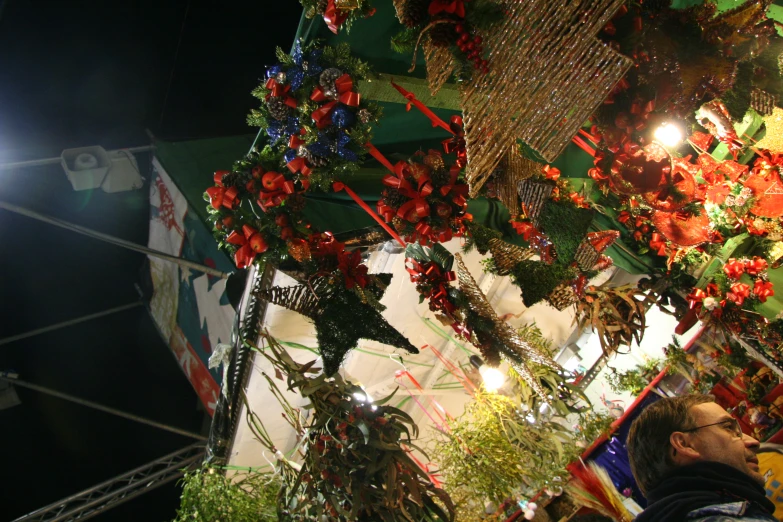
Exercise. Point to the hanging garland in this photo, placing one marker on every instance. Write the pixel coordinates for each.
(312, 112)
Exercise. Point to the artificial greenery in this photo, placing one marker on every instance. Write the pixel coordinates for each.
(566, 226)
(737, 99)
(635, 380)
(537, 279)
(209, 495)
(493, 450)
(478, 237)
(356, 463)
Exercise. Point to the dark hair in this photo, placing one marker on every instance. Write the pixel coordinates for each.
(649, 449)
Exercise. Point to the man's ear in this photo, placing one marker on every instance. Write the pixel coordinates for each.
(682, 446)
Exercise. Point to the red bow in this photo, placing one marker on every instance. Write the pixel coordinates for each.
(417, 207)
(334, 17)
(551, 172)
(524, 229)
(221, 196)
(456, 144)
(738, 293)
(623, 217)
(455, 7)
(763, 290)
(250, 243)
(275, 197)
(432, 282)
(755, 266)
(345, 95)
(696, 298)
(658, 244)
(277, 90)
(734, 268)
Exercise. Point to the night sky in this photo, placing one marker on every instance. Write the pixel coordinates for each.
(97, 73)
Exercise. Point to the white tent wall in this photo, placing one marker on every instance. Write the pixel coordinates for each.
(375, 366)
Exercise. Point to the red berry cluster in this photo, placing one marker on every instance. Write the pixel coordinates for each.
(472, 47)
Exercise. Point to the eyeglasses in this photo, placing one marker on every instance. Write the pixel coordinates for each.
(732, 425)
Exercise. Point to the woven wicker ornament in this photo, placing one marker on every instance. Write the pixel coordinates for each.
(516, 351)
(513, 169)
(763, 102)
(547, 76)
(562, 296)
(506, 256)
(533, 194)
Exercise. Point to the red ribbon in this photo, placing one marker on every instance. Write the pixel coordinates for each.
(734, 268)
(658, 244)
(223, 197)
(755, 266)
(276, 89)
(345, 95)
(334, 17)
(250, 243)
(337, 186)
(738, 293)
(455, 7)
(551, 172)
(432, 282)
(696, 299)
(763, 290)
(436, 121)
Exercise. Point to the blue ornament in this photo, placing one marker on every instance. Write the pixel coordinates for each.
(273, 71)
(304, 66)
(342, 117)
(289, 156)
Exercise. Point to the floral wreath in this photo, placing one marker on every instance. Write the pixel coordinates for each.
(313, 114)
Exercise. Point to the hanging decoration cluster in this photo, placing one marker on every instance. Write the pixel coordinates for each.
(338, 14)
(312, 112)
(357, 462)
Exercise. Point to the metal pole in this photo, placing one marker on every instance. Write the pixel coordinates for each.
(110, 239)
(71, 322)
(53, 161)
(100, 407)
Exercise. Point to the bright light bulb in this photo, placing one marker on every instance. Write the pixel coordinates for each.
(359, 396)
(493, 378)
(668, 134)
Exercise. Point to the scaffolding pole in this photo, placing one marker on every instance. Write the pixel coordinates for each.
(70, 322)
(100, 407)
(113, 492)
(110, 239)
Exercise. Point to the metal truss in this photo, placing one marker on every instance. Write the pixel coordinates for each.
(106, 495)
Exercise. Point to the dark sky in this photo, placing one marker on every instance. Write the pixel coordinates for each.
(96, 73)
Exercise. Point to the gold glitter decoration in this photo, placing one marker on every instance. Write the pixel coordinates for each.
(299, 250)
(547, 75)
(773, 139)
(515, 350)
(514, 168)
(506, 256)
(440, 65)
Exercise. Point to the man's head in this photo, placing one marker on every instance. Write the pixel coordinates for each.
(684, 430)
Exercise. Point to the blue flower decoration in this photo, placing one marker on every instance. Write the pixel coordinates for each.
(326, 146)
(303, 67)
(282, 130)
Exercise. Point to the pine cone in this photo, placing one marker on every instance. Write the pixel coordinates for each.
(328, 77)
(235, 179)
(443, 34)
(320, 7)
(412, 13)
(277, 108)
(296, 202)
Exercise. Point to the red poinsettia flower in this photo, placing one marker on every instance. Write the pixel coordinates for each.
(354, 272)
